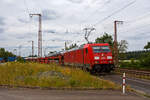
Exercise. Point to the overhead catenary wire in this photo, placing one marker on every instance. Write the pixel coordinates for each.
(133, 29)
(126, 28)
(104, 5)
(137, 19)
(107, 17)
(142, 32)
(27, 9)
(128, 22)
(115, 12)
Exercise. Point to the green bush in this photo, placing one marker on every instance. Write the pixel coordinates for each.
(142, 63)
(20, 59)
(125, 64)
(145, 61)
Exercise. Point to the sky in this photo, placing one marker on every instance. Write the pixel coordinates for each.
(64, 21)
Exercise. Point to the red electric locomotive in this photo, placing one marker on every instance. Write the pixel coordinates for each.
(93, 57)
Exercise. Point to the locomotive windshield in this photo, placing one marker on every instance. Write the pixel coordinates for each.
(99, 49)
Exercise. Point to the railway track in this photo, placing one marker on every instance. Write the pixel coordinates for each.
(136, 79)
(134, 73)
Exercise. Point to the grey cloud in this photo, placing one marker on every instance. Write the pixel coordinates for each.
(2, 21)
(53, 46)
(49, 15)
(1, 30)
(75, 1)
(25, 36)
(99, 1)
(55, 32)
(23, 20)
(50, 31)
(2, 38)
(57, 40)
(139, 36)
(107, 1)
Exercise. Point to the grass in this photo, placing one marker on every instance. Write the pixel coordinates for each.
(51, 76)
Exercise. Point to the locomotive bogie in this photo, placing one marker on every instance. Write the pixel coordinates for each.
(99, 68)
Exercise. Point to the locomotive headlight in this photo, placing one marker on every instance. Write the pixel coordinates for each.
(96, 58)
(109, 57)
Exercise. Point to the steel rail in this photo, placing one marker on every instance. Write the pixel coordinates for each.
(133, 71)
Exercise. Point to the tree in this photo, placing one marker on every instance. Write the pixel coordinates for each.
(106, 38)
(32, 56)
(147, 46)
(2, 52)
(5, 54)
(122, 46)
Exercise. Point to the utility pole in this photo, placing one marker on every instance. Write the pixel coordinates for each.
(39, 34)
(20, 50)
(116, 43)
(88, 32)
(32, 48)
(65, 46)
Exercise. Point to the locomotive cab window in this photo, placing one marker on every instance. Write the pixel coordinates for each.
(99, 49)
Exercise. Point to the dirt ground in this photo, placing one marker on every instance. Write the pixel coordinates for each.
(37, 94)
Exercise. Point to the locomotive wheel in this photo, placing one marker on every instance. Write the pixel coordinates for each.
(98, 69)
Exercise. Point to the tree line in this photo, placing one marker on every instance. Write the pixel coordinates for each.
(6, 54)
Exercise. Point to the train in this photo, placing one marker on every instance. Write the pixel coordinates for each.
(93, 57)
